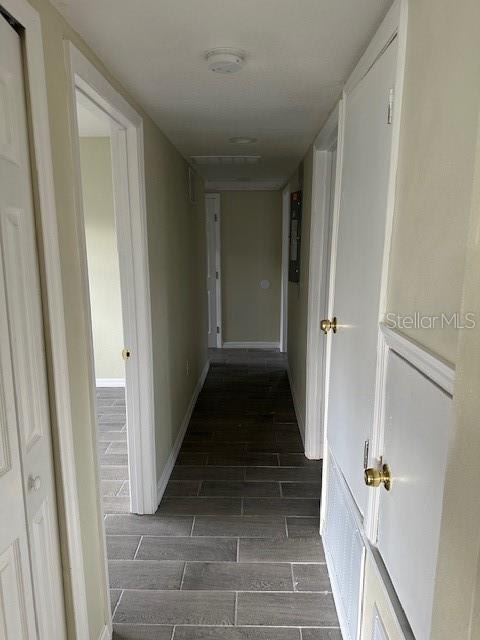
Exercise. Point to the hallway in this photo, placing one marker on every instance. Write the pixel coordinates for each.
(233, 552)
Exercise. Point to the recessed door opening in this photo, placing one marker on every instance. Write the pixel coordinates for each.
(94, 128)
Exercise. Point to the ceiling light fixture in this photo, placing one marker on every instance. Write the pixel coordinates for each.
(242, 140)
(225, 60)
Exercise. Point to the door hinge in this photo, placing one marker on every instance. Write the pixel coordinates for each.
(215, 217)
(216, 275)
(391, 101)
(218, 329)
(366, 453)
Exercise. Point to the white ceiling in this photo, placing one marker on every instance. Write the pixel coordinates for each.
(299, 52)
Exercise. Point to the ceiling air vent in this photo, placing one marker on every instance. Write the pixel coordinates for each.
(225, 160)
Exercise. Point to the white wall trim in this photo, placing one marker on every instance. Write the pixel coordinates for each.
(285, 260)
(130, 211)
(431, 365)
(383, 36)
(53, 302)
(251, 345)
(105, 634)
(110, 382)
(167, 470)
(318, 285)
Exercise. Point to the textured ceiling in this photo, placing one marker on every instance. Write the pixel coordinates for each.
(299, 52)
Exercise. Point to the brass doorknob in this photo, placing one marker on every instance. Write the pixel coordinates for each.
(126, 353)
(327, 325)
(375, 477)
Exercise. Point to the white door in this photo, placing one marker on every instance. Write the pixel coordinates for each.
(29, 546)
(212, 206)
(367, 136)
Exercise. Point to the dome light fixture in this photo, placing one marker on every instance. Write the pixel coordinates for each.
(242, 140)
(225, 60)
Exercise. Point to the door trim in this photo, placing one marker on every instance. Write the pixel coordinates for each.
(218, 266)
(318, 284)
(53, 303)
(130, 213)
(285, 258)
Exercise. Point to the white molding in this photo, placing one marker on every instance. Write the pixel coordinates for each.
(432, 366)
(24, 13)
(130, 210)
(285, 260)
(251, 345)
(301, 424)
(168, 468)
(254, 185)
(329, 132)
(110, 382)
(383, 36)
(105, 634)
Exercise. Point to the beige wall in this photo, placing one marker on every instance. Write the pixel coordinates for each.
(298, 296)
(177, 263)
(251, 241)
(102, 255)
(441, 103)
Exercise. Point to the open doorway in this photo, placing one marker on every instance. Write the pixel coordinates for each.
(112, 231)
(94, 128)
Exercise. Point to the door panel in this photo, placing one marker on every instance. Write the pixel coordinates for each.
(358, 268)
(29, 486)
(17, 621)
(211, 206)
(418, 423)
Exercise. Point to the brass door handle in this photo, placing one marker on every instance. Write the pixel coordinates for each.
(375, 477)
(126, 353)
(327, 325)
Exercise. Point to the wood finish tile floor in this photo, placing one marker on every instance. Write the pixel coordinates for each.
(233, 552)
(112, 449)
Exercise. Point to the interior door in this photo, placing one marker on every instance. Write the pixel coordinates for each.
(367, 136)
(211, 206)
(28, 508)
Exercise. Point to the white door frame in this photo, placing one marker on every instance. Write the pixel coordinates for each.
(394, 25)
(130, 217)
(285, 258)
(215, 197)
(52, 299)
(318, 285)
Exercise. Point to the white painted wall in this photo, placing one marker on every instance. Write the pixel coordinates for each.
(102, 255)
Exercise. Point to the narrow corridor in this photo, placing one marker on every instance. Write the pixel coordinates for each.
(233, 551)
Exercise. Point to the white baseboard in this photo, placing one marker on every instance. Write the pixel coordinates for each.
(110, 382)
(301, 424)
(105, 634)
(167, 471)
(251, 345)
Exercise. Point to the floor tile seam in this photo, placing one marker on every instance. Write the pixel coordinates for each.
(228, 626)
(229, 591)
(118, 602)
(138, 547)
(226, 562)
